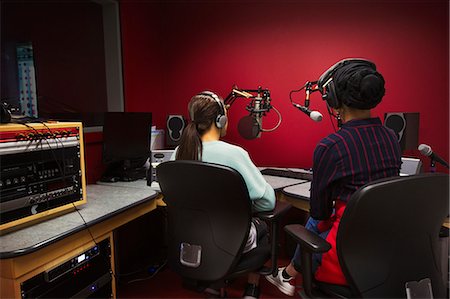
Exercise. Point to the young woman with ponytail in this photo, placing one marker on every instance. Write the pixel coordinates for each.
(201, 141)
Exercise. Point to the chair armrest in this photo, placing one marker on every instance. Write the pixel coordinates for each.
(310, 243)
(307, 239)
(280, 209)
(273, 218)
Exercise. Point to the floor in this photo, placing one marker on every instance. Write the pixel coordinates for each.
(167, 284)
(134, 253)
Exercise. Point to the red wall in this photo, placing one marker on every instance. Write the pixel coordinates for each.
(173, 50)
(143, 62)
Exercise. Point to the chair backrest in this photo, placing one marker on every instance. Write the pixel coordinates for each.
(389, 235)
(209, 216)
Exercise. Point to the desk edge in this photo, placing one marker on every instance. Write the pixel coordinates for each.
(45, 243)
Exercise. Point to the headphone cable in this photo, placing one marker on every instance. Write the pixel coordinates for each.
(64, 179)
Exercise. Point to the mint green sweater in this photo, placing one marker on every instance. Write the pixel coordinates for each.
(260, 192)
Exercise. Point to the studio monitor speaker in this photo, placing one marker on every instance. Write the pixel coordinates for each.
(175, 127)
(406, 126)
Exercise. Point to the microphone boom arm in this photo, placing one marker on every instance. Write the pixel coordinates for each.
(309, 88)
(259, 105)
(259, 102)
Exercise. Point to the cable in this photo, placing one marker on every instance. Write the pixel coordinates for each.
(296, 90)
(63, 170)
(146, 267)
(63, 174)
(93, 240)
(38, 140)
(277, 125)
(331, 114)
(151, 275)
(85, 223)
(42, 151)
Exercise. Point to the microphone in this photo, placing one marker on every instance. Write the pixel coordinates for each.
(426, 151)
(249, 127)
(314, 115)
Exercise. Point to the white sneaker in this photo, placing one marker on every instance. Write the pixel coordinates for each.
(282, 283)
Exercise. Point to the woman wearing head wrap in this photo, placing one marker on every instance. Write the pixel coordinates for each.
(362, 150)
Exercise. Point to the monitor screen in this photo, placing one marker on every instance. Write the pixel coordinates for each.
(126, 136)
(410, 166)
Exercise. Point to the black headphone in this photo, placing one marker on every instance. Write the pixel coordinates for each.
(326, 82)
(221, 118)
(5, 115)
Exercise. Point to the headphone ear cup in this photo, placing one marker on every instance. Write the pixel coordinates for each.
(326, 80)
(331, 96)
(5, 115)
(221, 120)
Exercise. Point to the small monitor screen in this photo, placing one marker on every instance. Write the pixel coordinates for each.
(126, 136)
(410, 166)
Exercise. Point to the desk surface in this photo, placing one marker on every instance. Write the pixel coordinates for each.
(300, 191)
(139, 184)
(103, 202)
(299, 195)
(278, 183)
(106, 200)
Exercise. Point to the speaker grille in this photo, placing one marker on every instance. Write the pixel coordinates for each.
(406, 127)
(175, 127)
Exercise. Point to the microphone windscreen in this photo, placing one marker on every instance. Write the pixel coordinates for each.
(316, 116)
(425, 149)
(248, 127)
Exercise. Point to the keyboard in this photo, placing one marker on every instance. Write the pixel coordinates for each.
(287, 173)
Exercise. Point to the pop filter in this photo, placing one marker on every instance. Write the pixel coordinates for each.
(248, 127)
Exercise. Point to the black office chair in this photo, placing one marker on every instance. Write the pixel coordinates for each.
(209, 216)
(388, 236)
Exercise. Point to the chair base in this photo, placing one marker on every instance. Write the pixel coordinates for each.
(327, 291)
(213, 290)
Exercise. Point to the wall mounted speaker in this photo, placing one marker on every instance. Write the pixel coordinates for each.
(175, 127)
(406, 126)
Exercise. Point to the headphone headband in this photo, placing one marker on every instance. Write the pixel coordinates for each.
(328, 74)
(221, 118)
(216, 98)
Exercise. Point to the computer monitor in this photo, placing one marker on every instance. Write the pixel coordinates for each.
(126, 144)
(410, 166)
